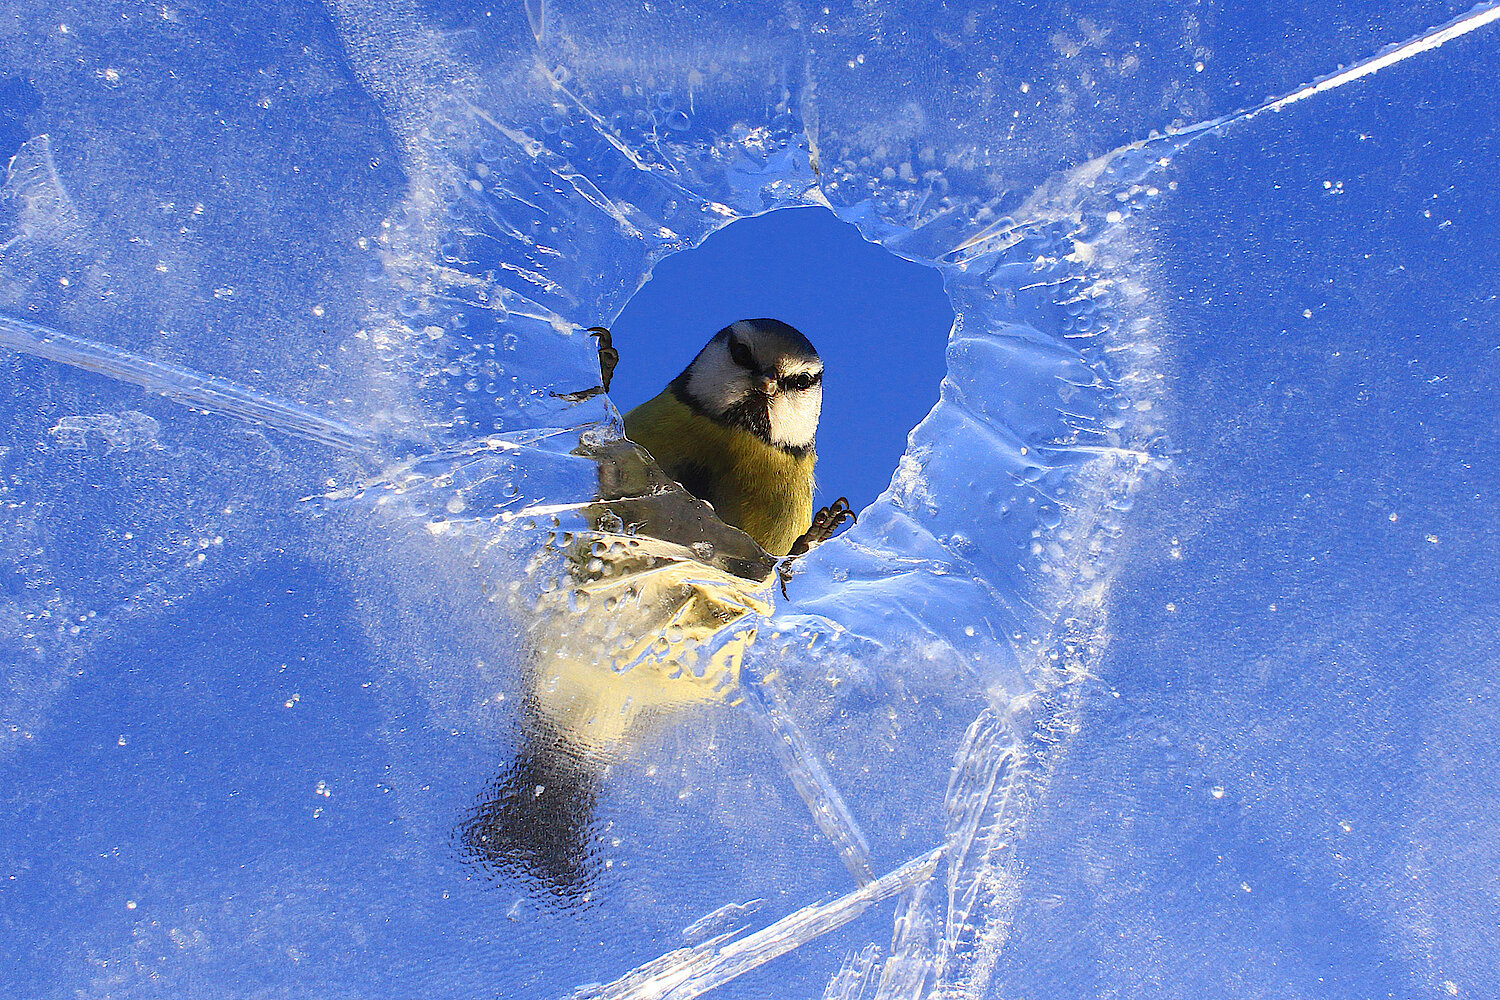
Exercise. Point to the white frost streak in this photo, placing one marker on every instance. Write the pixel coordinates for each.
(691, 972)
(581, 184)
(1053, 198)
(1471, 21)
(181, 385)
(800, 762)
(984, 762)
(855, 975)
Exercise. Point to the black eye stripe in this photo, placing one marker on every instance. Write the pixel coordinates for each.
(802, 380)
(739, 353)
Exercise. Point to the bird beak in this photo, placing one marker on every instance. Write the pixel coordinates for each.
(768, 386)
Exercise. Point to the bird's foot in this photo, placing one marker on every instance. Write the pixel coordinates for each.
(608, 359)
(824, 523)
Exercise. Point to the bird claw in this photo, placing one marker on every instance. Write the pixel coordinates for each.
(824, 523)
(609, 358)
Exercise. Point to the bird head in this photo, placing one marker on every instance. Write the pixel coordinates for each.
(762, 375)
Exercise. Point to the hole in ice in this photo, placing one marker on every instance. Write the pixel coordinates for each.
(879, 322)
(881, 326)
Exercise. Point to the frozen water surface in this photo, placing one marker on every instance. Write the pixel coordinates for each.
(345, 656)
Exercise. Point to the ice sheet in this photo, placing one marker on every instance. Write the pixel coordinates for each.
(1160, 669)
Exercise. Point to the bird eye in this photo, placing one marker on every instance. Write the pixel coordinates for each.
(739, 353)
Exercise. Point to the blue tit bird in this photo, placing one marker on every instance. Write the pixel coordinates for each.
(736, 429)
(659, 599)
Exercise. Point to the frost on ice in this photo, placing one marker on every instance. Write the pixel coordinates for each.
(600, 730)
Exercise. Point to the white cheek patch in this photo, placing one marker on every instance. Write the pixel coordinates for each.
(794, 417)
(716, 382)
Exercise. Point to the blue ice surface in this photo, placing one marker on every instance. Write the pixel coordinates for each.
(1163, 667)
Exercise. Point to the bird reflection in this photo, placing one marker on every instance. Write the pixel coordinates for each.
(536, 818)
(648, 614)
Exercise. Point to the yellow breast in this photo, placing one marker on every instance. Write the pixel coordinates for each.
(762, 490)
